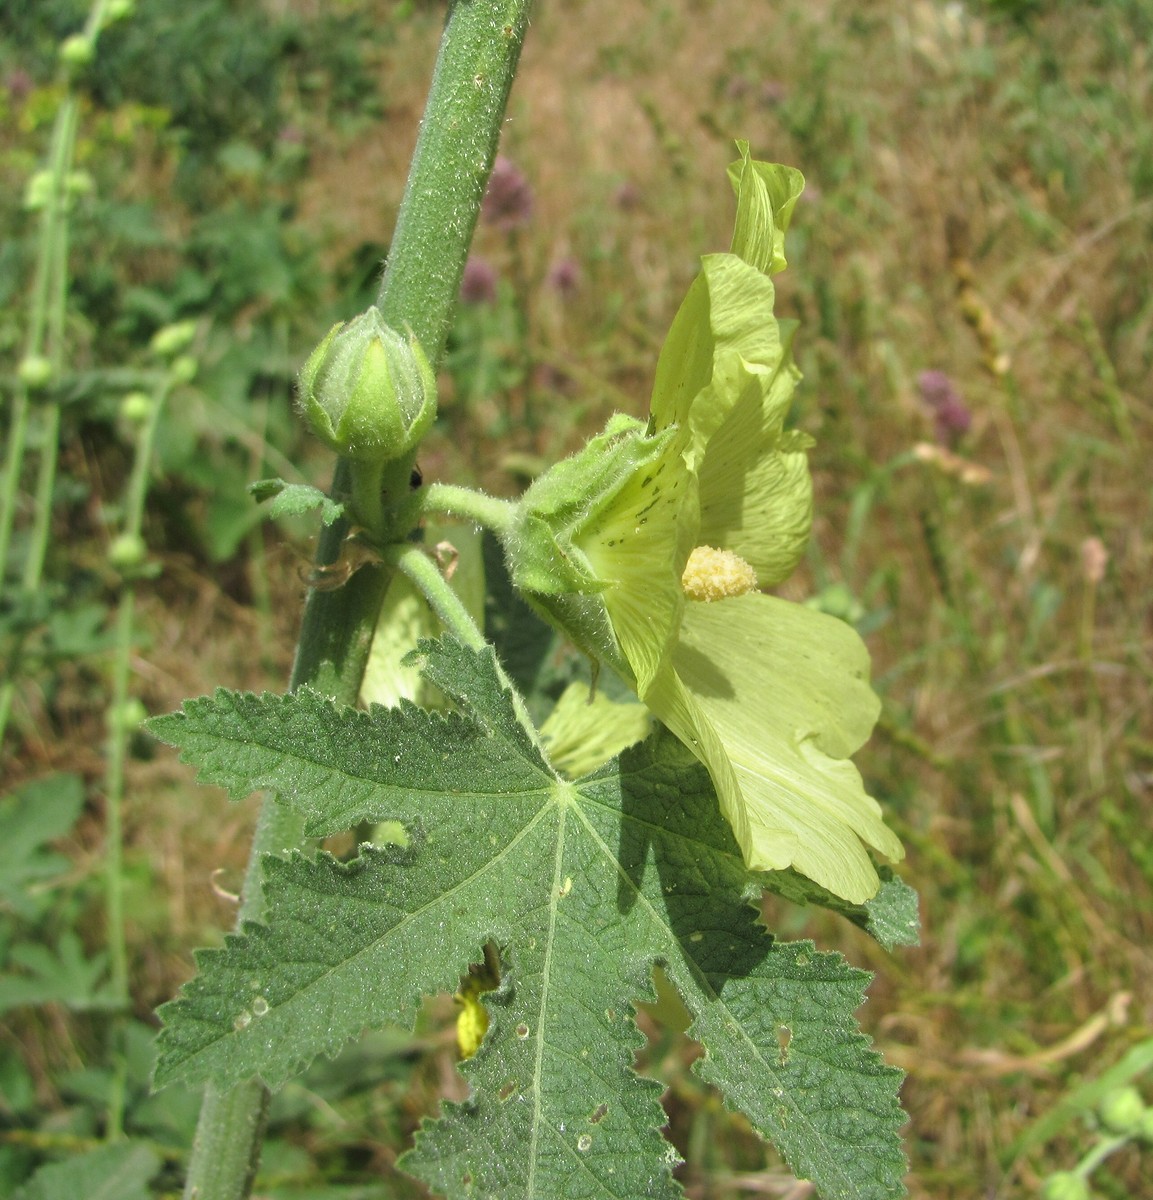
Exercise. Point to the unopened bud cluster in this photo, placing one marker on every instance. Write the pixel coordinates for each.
(1123, 1114)
(367, 391)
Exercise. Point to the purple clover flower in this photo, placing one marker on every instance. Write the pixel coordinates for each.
(478, 282)
(627, 196)
(564, 277)
(507, 204)
(951, 415)
(19, 83)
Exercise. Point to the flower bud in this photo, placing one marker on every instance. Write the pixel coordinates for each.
(1145, 1129)
(184, 368)
(117, 10)
(77, 50)
(368, 392)
(1065, 1185)
(170, 340)
(127, 552)
(79, 184)
(35, 372)
(136, 408)
(38, 191)
(126, 717)
(1122, 1110)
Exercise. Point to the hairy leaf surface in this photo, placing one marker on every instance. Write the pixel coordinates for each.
(584, 886)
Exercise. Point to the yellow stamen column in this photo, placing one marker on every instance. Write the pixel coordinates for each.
(712, 574)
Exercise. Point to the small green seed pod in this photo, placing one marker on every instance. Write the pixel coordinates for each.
(38, 191)
(126, 717)
(136, 408)
(171, 340)
(1145, 1129)
(117, 10)
(127, 552)
(78, 184)
(184, 369)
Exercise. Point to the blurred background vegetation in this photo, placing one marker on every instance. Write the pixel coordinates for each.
(970, 265)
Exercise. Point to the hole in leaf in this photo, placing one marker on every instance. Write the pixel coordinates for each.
(784, 1037)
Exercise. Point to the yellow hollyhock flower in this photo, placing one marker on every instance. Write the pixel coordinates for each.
(649, 548)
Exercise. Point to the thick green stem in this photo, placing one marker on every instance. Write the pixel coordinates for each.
(478, 57)
(226, 1150)
(450, 167)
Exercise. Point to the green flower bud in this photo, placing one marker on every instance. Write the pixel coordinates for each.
(184, 368)
(77, 50)
(38, 191)
(1122, 1110)
(1065, 1185)
(136, 408)
(127, 552)
(126, 717)
(170, 340)
(368, 392)
(117, 10)
(35, 372)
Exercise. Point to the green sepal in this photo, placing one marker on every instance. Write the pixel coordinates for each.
(542, 544)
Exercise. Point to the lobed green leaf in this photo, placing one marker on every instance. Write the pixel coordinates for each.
(586, 887)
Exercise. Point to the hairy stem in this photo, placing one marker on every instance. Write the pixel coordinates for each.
(477, 61)
(450, 500)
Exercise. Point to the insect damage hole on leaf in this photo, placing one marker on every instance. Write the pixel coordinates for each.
(784, 1037)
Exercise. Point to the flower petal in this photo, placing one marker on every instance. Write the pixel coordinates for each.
(756, 494)
(726, 374)
(586, 729)
(773, 698)
(638, 545)
(767, 193)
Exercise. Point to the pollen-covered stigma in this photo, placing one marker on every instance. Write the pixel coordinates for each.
(712, 574)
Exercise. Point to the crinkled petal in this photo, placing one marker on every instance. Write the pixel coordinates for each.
(638, 545)
(685, 364)
(773, 698)
(726, 317)
(754, 487)
(586, 729)
(756, 494)
(767, 193)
